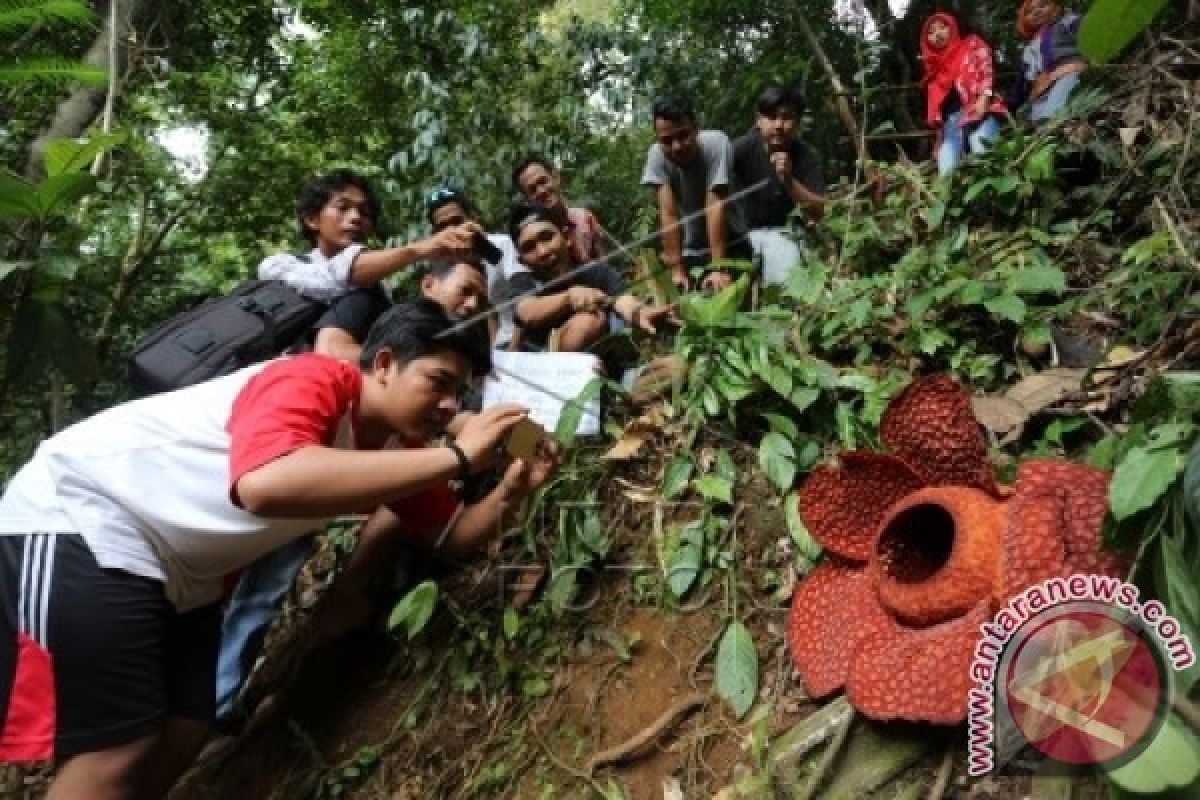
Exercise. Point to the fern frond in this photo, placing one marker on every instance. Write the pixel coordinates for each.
(54, 70)
(21, 15)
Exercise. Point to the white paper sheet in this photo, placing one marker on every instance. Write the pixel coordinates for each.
(543, 382)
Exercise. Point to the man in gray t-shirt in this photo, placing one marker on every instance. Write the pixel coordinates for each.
(690, 171)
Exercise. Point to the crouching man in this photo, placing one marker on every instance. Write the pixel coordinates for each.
(583, 303)
(115, 537)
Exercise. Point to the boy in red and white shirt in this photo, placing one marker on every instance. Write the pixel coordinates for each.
(116, 536)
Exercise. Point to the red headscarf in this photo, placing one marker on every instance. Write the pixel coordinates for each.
(941, 65)
(935, 61)
(963, 65)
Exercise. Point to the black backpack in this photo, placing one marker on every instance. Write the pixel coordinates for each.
(256, 321)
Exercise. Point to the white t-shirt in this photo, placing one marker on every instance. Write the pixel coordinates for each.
(498, 276)
(147, 484)
(313, 275)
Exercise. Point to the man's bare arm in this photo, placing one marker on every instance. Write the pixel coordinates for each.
(337, 343)
(372, 266)
(804, 197)
(672, 231)
(714, 220)
(540, 312)
(316, 481)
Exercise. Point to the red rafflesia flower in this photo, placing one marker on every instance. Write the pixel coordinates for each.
(923, 547)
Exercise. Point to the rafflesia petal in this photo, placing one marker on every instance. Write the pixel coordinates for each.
(938, 554)
(917, 674)
(842, 506)
(1055, 525)
(930, 425)
(833, 610)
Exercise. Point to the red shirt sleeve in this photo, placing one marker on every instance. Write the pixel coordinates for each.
(426, 514)
(294, 402)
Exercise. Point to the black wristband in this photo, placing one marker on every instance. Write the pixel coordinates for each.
(464, 466)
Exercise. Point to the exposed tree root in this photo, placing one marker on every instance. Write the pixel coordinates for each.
(636, 745)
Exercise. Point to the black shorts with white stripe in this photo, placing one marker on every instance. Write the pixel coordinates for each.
(92, 658)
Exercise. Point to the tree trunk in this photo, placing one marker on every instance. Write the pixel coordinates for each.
(841, 104)
(79, 110)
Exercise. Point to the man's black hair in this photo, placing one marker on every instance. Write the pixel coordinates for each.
(316, 193)
(522, 213)
(527, 161)
(773, 97)
(418, 327)
(440, 268)
(444, 196)
(674, 109)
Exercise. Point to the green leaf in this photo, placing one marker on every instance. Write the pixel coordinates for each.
(51, 70)
(724, 466)
(1008, 306)
(780, 379)
(18, 199)
(1110, 25)
(535, 686)
(934, 215)
(801, 399)
(687, 559)
(712, 487)
(711, 401)
(844, 419)
(857, 381)
(806, 546)
(975, 189)
(777, 457)
(511, 623)
(1005, 184)
(58, 191)
(18, 16)
(69, 155)
(782, 424)
(572, 413)
(414, 609)
(714, 311)
(737, 669)
(1040, 165)
(591, 534)
(807, 455)
(9, 267)
(1175, 577)
(676, 476)
(1141, 478)
(1171, 761)
(1033, 280)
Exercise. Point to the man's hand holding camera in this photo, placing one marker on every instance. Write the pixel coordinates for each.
(484, 439)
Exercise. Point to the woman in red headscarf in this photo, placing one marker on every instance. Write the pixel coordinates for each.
(959, 101)
(1051, 62)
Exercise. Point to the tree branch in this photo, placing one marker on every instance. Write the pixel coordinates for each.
(78, 111)
(841, 105)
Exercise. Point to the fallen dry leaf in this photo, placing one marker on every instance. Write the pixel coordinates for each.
(1121, 355)
(637, 433)
(1046, 388)
(628, 446)
(1008, 412)
(999, 414)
